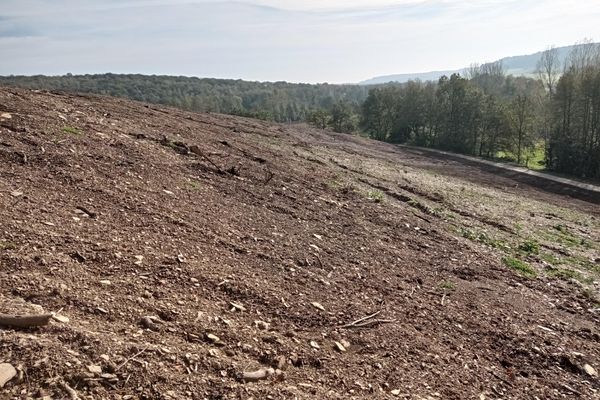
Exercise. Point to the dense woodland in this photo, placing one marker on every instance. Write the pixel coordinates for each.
(552, 121)
(276, 101)
(488, 113)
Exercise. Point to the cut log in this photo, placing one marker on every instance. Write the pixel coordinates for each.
(24, 321)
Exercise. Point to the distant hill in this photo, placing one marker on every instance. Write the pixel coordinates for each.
(516, 65)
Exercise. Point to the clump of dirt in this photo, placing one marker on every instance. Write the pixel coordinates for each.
(203, 256)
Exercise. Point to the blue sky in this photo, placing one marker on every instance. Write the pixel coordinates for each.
(293, 40)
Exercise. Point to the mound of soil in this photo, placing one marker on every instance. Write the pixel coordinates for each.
(180, 252)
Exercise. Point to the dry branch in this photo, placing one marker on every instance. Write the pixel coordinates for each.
(361, 320)
(196, 150)
(263, 373)
(130, 358)
(24, 321)
(371, 322)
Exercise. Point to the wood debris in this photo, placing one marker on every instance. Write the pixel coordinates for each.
(24, 321)
(263, 373)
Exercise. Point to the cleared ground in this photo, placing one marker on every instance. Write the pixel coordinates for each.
(262, 246)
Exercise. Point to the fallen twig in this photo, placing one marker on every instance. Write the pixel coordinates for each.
(570, 389)
(130, 358)
(196, 150)
(263, 373)
(362, 319)
(24, 321)
(371, 322)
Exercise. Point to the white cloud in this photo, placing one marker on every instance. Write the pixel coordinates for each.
(339, 41)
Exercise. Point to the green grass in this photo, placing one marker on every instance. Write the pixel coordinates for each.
(530, 247)
(375, 195)
(533, 158)
(194, 185)
(568, 274)
(519, 266)
(7, 245)
(71, 130)
(483, 237)
(447, 285)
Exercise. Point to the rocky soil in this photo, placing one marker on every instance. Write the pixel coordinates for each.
(203, 256)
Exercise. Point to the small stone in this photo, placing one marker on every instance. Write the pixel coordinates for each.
(60, 318)
(7, 372)
(345, 343)
(16, 193)
(238, 307)
(138, 260)
(105, 357)
(314, 345)
(318, 236)
(105, 282)
(213, 338)
(148, 323)
(339, 347)
(590, 370)
(180, 258)
(5, 116)
(261, 325)
(95, 369)
(193, 280)
(317, 305)
(395, 392)
(109, 377)
(101, 310)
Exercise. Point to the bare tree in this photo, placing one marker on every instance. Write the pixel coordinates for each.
(548, 67)
(472, 71)
(584, 54)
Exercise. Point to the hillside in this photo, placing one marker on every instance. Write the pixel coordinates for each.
(523, 65)
(181, 250)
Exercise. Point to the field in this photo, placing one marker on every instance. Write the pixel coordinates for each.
(181, 251)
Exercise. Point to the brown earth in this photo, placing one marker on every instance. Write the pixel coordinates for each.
(108, 214)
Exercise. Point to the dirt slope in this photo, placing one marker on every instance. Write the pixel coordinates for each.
(257, 247)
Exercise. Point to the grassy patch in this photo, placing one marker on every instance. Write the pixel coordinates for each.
(484, 238)
(375, 195)
(447, 285)
(519, 266)
(71, 130)
(568, 274)
(7, 245)
(530, 247)
(194, 185)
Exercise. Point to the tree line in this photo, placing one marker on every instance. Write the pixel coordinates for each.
(552, 118)
(486, 113)
(276, 101)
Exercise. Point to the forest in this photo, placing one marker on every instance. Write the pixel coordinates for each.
(549, 122)
(552, 121)
(275, 101)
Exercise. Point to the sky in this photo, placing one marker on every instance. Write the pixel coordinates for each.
(336, 41)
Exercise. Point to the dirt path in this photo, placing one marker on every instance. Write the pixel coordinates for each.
(552, 183)
(253, 245)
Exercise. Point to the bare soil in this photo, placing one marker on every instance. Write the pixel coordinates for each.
(253, 245)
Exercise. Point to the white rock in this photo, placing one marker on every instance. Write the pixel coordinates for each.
(7, 372)
(590, 370)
